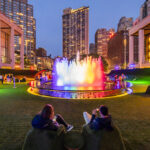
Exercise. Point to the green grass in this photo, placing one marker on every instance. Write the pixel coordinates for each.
(141, 80)
(17, 108)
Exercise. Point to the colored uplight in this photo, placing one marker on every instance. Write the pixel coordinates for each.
(85, 73)
(117, 67)
(132, 66)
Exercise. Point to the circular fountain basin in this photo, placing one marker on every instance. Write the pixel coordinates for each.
(82, 92)
(80, 79)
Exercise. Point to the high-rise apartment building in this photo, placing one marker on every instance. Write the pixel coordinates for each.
(102, 36)
(75, 31)
(21, 13)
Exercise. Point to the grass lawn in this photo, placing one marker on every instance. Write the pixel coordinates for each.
(17, 108)
(141, 80)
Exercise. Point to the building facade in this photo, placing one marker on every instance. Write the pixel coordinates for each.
(102, 36)
(8, 30)
(92, 49)
(125, 24)
(140, 55)
(21, 13)
(116, 49)
(145, 10)
(118, 46)
(75, 31)
(42, 60)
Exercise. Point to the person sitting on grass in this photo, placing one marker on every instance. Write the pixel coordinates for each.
(99, 131)
(97, 123)
(47, 120)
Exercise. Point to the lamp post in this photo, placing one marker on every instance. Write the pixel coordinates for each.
(125, 48)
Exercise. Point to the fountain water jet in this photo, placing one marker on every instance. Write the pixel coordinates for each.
(79, 79)
(88, 72)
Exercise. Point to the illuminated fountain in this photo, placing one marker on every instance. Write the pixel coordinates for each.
(78, 75)
(79, 79)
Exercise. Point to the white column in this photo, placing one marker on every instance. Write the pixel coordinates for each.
(141, 47)
(22, 52)
(131, 49)
(12, 51)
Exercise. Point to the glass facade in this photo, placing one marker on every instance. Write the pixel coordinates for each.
(21, 13)
(147, 48)
(4, 46)
(75, 31)
(102, 36)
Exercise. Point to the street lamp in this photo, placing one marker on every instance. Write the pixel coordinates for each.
(125, 48)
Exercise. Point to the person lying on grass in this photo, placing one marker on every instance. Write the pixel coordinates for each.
(47, 119)
(97, 123)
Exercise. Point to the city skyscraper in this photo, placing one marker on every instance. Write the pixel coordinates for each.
(102, 36)
(21, 13)
(75, 31)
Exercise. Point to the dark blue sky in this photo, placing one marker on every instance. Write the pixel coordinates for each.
(102, 14)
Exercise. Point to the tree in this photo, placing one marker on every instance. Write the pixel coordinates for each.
(94, 55)
(105, 63)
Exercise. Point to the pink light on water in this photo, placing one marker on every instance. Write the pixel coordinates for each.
(88, 72)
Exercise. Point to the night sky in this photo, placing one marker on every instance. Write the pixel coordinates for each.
(102, 14)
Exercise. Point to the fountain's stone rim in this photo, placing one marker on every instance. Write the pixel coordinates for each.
(82, 90)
